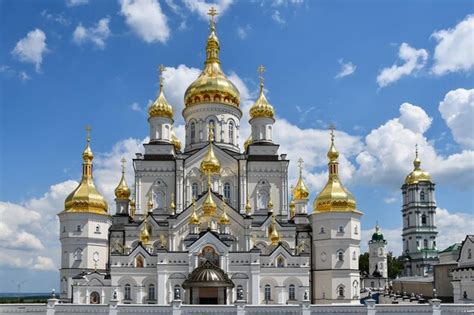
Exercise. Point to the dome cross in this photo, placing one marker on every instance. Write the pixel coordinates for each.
(88, 133)
(261, 70)
(161, 70)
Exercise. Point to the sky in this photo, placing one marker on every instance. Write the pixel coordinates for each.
(389, 75)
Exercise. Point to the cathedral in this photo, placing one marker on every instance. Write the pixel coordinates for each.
(208, 222)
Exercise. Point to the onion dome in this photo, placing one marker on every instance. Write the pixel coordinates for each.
(122, 191)
(248, 142)
(144, 233)
(377, 236)
(160, 107)
(212, 86)
(224, 219)
(86, 198)
(210, 164)
(261, 107)
(334, 196)
(209, 206)
(175, 141)
(300, 192)
(417, 175)
(194, 219)
(273, 232)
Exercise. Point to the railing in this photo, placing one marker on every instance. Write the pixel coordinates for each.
(240, 308)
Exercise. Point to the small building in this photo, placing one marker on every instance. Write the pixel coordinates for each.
(463, 275)
(378, 269)
(443, 272)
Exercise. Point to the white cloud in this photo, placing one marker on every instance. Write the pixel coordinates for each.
(413, 60)
(457, 109)
(10, 72)
(136, 107)
(242, 31)
(454, 51)
(392, 236)
(97, 34)
(44, 263)
(414, 118)
(276, 16)
(347, 68)
(201, 7)
(31, 48)
(58, 18)
(75, 3)
(146, 19)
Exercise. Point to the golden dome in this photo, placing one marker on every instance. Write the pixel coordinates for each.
(261, 108)
(144, 233)
(209, 206)
(224, 219)
(210, 164)
(300, 192)
(122, 191)
(175, 141)
(86, 198)
(212, 86)
(334, 196)
(248, 142)
(273, 233)
(417, 175)
(194, 219)
(160, 107)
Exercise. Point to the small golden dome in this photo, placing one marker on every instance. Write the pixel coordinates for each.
(224, 219)
(300, 192)
(161, 107)
(194, 219)
(86, 198)
(261, 108)
(417, 175)
(212, 86)
(334, 196)
(274, 235)
(292, 209)
(144, 233)
(175, 141)
(209, 206)
(210, 164)
(248, 142)
(122, 191)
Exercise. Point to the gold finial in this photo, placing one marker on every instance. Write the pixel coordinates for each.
(123, 161)
(88, 133)
(145, 234)
(224, 219)
(122, 191)
(270, 203)
(212, 13)
(211, 133)
(161, 70)
(248, 207)
(300, 165)
(133, 208)
(332, 127)
(172, 205)
(274, 236)
(301, 191)
(150, 201)
(261, 70)
(194, 219)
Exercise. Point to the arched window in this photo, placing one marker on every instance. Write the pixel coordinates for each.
(193, 132)
(78, 254)
(127, 292)
(97, 228)
(422, 195)
(177, 292)
(356, 230)
(341, 229)
(280, 262)
(209, 254)
(340, 256)
(159, 200)
(469, 254)
(425, 243)
(139, 262)
(231, 132)
(151, 292)
(78, 228)
(268, 292)
(381, 251)
(423, 219)
(94, 298)
(292, 292)
(341, 291)
(194, 190)
(227, 191)
(322, 230)
(354, 255)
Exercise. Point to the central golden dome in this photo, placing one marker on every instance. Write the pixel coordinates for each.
(417, 175)
(212, 86)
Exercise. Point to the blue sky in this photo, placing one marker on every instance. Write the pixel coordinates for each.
(66, 64)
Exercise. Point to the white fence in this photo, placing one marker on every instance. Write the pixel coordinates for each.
(54, 308)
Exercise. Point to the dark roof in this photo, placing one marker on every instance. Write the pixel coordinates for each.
(452, 248)
(208, 275)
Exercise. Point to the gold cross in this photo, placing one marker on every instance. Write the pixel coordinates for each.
(212, 13)
(88, 133)
(161, 70)
(261, 69)
(123, 164)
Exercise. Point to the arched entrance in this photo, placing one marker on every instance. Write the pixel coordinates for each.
(94, 298)
(208, 284)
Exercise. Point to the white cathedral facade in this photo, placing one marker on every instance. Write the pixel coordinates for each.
(210, 222)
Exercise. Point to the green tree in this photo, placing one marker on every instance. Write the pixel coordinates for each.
(395, 266)
(364, 263)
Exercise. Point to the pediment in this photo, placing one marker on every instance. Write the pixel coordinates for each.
(209, 239)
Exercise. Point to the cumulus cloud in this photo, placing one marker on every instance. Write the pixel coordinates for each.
(75, 3)
(44, 263)
(454, 51)
(347, 68)
(97, 34)
(31, 48)
(413, 60)
(201, 7)
(146, 19)
(457, 109)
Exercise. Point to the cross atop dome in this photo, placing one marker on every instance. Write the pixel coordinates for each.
(161, 70)
(88, 133)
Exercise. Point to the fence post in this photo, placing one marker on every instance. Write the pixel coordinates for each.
(113, 307)
(176, 304)
(370, 306)
(436, 304)
(240, 305)
(50, 307)
(305, 307)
